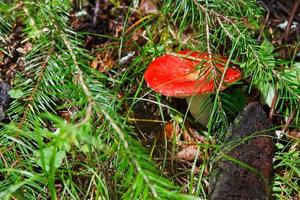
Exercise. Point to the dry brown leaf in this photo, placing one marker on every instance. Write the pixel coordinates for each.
(136, 35)
(25, 49)
(1, 58)
(168, 131)
(103, 61)
(188, 153)
(149, 6)
(65, 114)
(295, 134)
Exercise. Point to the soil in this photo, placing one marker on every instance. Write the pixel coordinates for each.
(148, 119)
(14, 61)
(11, 63)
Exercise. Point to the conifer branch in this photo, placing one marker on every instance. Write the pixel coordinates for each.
(81, 82)
(39, 79)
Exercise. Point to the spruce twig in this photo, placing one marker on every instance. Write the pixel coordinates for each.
(39, 79)
(289, 121)
(288, 28)
(273, 105)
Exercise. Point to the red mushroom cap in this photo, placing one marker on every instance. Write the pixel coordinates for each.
(189, 74)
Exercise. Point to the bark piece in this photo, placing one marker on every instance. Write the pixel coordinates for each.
(250, 143)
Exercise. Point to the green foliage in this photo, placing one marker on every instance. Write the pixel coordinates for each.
(15, 94)
(287, 179)
(95, 154)
(78, 159)
(228, 28)
(48, 156)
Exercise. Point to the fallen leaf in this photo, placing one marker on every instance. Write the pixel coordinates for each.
(149, 6)
(25, 49)
(168, 131)
(188, 153)
(103, 61)
(295, 134)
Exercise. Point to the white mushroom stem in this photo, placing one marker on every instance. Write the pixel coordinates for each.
(200, 107)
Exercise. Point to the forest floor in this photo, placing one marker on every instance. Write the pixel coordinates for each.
(153, 123)
(116, 35)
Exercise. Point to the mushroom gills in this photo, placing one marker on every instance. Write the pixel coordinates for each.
(200, 108)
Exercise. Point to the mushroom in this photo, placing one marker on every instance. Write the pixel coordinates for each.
(189, 75)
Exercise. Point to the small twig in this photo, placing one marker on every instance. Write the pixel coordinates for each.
(81, 82)
(145, 120)
(89, 112)
(217, 58)
(282, 7)
(207, 37)
(79, 77)
(138, 23)
(16, 7)
(265, 22)
(296, 17)
(289, 121)
(217, 15)
(206, 29)
(288, 29)
(272, 110)
(185, 56)
(225, 30)
(96, 11)
(4, 160)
